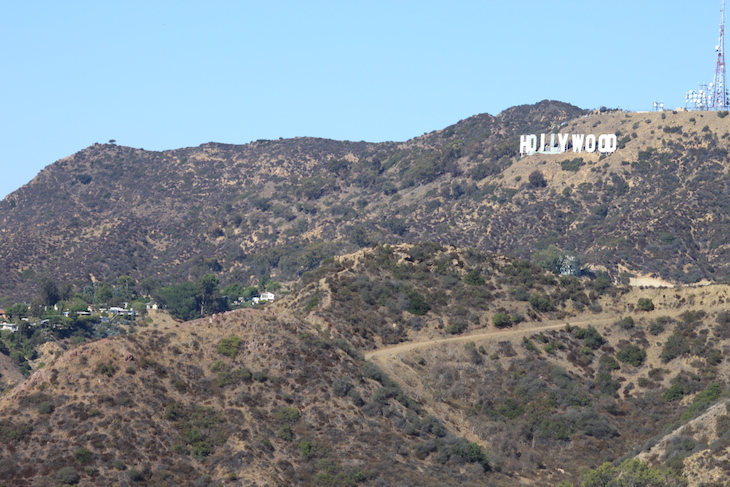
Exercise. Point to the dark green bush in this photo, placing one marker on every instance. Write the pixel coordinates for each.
(341, 386)
(714, 357)
(135, 475)
(418, 305)
(541, 302)
(229, 346)
(537, 179)
(233, 377)
(84, 178)
(608, 362)
(627, 323)
(287, 415)
(520, 293)
(674, 393)
(502, 320)
(709, 395)
(529, 345)
(285, 433)
(311, 304)
(357, 399)
(82, 455)
(173, 412)
(474, 278)
(106, 368)
(632, 354)
(722, 425)
(590, 336)
(457, 325)
(645, 304)
(656, 328)
(307, 448)
(219, 366)
(46, 407)
(68, 475)
(675, 346)
(12, 432)
(571, 164)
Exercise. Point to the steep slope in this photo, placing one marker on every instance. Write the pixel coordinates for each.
(111, 210)
(658, 206)
(244, 398)
(587, 378)
(511, 375)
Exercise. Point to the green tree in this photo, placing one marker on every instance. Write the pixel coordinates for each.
(149, 285)
(49, 292)
(590, 336)
(125, 285)
(103, 294)
(209, 298)
(17, 311)
(180, 300)
(234, 291)
(675, 346)
(207, 288)
(549, 258)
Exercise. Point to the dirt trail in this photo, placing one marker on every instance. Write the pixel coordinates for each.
(531, 327)
(525, 328)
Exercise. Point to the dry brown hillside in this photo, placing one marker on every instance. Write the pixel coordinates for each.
(451, 394)
(657, 206)
(244, 398)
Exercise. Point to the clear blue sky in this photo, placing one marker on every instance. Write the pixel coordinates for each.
(168, 74)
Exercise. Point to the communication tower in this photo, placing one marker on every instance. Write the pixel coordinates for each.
(718, 90)
(715, 95)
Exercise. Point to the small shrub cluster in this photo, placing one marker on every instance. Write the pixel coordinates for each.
(632, 354)
(645, 304)
(675, 346)
(106, 368)
(229, 346)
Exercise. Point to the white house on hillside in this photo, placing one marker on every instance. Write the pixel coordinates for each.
(263, 297)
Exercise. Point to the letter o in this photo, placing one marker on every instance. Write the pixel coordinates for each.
(607, 143)
(590, 143)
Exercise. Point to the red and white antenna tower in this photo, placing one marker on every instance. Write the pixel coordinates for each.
(718, 90)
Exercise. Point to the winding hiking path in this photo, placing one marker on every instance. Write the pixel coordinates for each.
(524, 329)
(531, 327)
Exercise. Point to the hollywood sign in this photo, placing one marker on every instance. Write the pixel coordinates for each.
(604, 144)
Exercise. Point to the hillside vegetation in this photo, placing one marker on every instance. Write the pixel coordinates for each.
(447, 312)
(248, 398)
(453, 393)
(276, 208)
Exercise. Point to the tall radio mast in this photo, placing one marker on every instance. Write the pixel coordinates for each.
(718, 90)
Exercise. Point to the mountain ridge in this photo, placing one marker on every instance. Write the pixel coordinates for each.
(274, 208)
